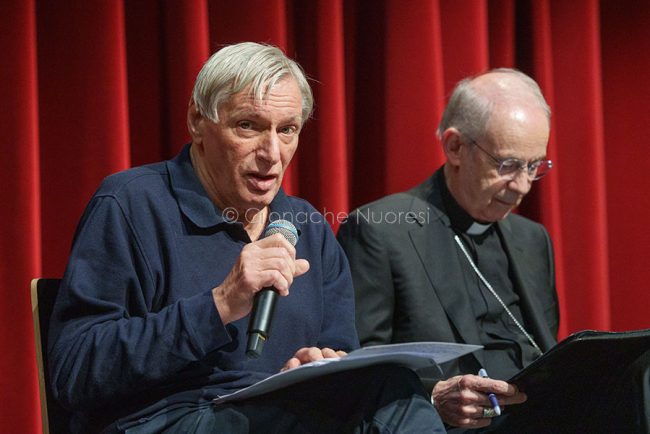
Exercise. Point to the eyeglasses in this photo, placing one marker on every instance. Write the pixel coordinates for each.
(509, 168)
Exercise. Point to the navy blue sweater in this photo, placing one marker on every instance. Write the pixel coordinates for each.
(135, 321)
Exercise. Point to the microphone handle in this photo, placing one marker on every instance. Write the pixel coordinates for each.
(259, 324)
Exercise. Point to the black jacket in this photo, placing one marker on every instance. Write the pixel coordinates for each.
(409, 282)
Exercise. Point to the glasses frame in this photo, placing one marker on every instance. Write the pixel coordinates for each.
(530, 168)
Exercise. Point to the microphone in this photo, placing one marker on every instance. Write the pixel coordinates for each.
(259, 324)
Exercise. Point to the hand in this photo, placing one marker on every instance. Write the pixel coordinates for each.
(270, 261)
(460, 400)
(311, 354)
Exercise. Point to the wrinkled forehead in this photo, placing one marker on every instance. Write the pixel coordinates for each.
(282, 98)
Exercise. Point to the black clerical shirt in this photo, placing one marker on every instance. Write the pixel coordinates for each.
(506, 349)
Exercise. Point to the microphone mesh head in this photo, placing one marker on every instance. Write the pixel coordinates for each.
(284, 227)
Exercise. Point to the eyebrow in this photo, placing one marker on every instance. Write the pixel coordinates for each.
(247, 113)
(511, 157)
(542, 158)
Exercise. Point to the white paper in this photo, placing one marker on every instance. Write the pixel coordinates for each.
(414, 355)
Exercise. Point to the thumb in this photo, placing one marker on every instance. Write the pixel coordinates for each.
(302, 266)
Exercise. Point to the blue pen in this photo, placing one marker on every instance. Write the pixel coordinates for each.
(491, 396)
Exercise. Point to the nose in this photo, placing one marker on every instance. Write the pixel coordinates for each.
(269, 148)
(521, 183)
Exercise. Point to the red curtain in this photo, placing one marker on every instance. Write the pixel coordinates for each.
(92, 87)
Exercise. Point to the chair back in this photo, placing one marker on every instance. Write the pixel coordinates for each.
(43, 293)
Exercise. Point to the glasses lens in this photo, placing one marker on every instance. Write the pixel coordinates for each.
(541, 170)
(510, 167)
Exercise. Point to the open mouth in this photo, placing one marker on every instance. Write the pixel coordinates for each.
(260, 182)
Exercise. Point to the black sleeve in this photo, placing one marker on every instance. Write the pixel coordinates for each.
(364, 246)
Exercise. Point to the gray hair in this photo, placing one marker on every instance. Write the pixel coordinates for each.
(469, 110)
(257, 67)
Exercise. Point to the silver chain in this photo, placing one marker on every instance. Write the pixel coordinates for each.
(488, 286)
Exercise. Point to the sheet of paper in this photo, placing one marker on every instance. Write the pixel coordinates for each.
(413, 355)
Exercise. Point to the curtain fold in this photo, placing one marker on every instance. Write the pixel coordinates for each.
(186, 39)
(99, 86)
(323, 164)
(501, 28)
(83, 113)
(413, 90)
(625, 40)
(579, 128)
(465, 39)
(148, 122)
(20, 223)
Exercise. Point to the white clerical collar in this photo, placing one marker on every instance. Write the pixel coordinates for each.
(477, 228)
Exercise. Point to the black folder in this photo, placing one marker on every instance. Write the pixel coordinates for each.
(580, 369)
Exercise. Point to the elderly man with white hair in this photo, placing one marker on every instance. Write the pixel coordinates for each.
(151, 321)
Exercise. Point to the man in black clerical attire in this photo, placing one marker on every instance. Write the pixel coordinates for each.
(457, 266)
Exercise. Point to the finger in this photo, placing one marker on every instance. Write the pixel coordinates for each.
(506, 393)
(274, 258)
(270, 258)
(460, 403)
(275, 279)
(510, 400)
(273, 252)
(467, 416)
(284, 267)
(287, 266)
(313, 354)
(276, 240)
(291, 363)
(447, 387)
(309, 354)
(253, 260)
(277, 274)
(302, 266)
(474, 411)
(491, 386)
(268, 251)
(473, 398)
(478, 400)
(329, 353)
(269, 247)
(341, 353)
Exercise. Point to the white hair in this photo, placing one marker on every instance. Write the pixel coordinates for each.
(257, 67)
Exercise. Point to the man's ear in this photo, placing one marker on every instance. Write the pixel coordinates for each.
(194, 119)
(452, 144)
